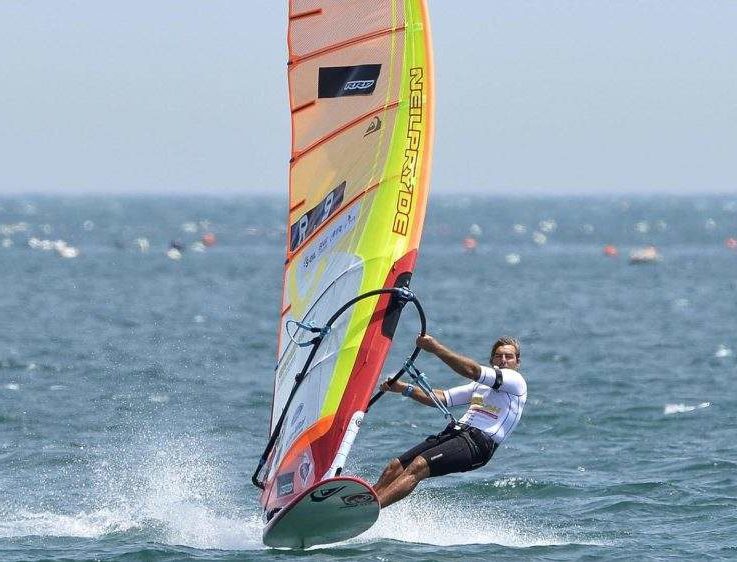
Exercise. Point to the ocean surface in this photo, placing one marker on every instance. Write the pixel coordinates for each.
(135, 387)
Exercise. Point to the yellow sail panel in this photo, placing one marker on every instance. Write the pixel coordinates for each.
(357, 153)
(360, 83)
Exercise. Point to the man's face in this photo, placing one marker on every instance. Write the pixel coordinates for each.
(505, 357)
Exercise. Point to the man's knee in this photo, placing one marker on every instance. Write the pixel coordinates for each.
(393, 468)
(418, 468)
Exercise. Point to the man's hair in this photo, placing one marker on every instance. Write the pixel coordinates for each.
(506, 340)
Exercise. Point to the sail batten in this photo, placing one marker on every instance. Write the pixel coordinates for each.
(315, 12)
(333, 134)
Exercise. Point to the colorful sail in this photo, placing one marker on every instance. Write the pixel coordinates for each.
(361, 96)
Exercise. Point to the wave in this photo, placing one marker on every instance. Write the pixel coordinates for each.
(670, 409)
(188, 525)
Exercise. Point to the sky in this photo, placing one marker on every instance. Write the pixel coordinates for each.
(532, 97)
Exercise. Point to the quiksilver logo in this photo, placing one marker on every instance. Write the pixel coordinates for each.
(322, 494)
(374, 126)
(359, 84)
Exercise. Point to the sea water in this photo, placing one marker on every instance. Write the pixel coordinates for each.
(135, 386)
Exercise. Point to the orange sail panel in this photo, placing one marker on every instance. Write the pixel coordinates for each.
(361, 100)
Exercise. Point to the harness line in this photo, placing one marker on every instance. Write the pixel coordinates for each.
(421, 381)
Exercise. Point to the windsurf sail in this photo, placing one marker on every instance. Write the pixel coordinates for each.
(361, 100)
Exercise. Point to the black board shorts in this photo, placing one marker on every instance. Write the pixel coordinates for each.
(458, 448)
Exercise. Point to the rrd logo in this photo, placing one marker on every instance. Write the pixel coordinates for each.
(359, 85)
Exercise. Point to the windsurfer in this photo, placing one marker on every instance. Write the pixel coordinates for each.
(496, 395)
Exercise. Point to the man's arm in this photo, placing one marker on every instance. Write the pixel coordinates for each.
(417, 394)
(464, 366)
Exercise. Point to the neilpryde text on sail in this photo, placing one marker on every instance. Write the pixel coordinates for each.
(411, 153)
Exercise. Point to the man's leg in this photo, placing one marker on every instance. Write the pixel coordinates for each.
(404, 483)
(395, 469)
(392, 470)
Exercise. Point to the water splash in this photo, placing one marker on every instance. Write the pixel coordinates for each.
(513, 482)
(178, 489)
(173, 492)
(422, 519)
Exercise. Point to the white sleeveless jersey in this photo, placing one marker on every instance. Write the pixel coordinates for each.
(495, 412)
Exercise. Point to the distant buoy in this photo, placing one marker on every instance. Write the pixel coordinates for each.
(469, 244)
(174, 254)
(648, 254)
(731, 243)
(208, 239)
(64, 250)
(610, 250)
(143, 244)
